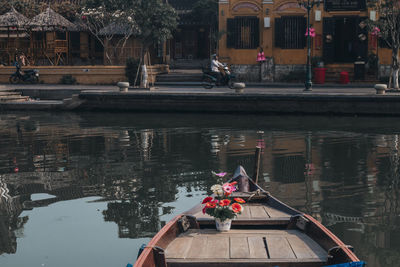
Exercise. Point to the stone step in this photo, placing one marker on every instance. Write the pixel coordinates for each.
(10, 96)
(6, 93)
(72, 102)
(188, 64)
(15, 99)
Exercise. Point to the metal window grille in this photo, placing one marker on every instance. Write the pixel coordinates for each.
(243, 33)
(290, 32)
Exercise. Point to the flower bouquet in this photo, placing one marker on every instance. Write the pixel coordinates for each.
(222, 207)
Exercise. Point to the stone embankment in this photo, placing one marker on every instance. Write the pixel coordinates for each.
(254, 100)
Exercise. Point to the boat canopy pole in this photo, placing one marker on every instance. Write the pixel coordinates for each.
(257, 164)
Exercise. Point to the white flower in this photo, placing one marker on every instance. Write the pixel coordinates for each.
(217, 189)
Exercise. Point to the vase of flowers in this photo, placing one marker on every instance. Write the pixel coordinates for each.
(222, 206)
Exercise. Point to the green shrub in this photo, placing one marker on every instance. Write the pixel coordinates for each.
(131, 69)
(67, 79)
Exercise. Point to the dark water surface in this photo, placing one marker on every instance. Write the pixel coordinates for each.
(88, 189)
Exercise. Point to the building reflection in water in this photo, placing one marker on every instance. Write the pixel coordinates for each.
(348, 179)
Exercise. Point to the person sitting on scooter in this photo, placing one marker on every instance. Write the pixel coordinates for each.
(17, 66)
(215, 65)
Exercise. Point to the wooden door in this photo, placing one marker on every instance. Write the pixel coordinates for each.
(178, 50)
(362, 39)
(84, 45)
(328, 40)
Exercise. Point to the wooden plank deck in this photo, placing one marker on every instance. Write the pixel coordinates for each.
(244, 247)
(257, 212)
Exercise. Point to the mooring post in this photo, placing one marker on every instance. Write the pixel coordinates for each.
(257, 164)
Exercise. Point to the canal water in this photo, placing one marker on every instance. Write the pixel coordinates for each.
(88, 189)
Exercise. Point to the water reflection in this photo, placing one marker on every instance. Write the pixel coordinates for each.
(343, 171)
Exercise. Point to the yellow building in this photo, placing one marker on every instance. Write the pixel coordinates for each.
(278, 28)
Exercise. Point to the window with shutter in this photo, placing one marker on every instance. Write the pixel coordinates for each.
(278, 32)
(230, 33)
(290, 32)
(243, 33)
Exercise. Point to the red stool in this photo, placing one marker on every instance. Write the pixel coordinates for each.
(344, 77)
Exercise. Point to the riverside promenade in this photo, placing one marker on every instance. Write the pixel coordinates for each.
(256, 99)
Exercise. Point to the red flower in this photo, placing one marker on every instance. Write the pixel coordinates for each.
(210, 205)
(224, 202)
(207, 199)
(204, 210)
(236, 207)
(239, 200)
(233, 183)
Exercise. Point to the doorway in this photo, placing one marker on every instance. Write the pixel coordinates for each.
(345, 39)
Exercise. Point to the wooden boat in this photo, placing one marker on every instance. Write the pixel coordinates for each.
(267, 233)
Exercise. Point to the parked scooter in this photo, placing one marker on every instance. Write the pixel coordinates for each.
(209, 80)
(29, 76)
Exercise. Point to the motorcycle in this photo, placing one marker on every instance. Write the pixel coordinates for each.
(209, 79)
(31, 76)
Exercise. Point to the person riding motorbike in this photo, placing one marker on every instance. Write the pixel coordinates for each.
(220, 75)
(215, 66)
(24, 76)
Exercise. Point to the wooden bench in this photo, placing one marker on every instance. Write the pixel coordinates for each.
(254, 214)
(244, 247)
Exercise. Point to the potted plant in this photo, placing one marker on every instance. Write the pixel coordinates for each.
(222, 206)
(317, 62)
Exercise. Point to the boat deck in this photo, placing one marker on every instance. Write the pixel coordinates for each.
(253, 213)
(244, 247)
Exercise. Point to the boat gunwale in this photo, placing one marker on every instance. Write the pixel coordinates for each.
(154, 242)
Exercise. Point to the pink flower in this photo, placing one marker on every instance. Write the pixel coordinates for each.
(228, 188)
(221, 174)
(375, 31)
(312, 32)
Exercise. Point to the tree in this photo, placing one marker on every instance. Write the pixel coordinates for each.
(27, 8)
(111, 22)
(67, 9)
(156, 21)
(388, 28)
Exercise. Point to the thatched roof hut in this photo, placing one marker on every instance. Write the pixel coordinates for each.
(50, 20)
(13, 19)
